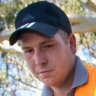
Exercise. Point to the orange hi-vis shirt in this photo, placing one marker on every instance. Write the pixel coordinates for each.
(88, 89)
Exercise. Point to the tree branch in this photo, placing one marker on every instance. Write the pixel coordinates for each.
(87, 5)
(24, 82)
(93, 4)
(82, 23)
(13, 49)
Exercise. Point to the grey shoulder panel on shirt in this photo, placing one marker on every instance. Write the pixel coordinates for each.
(47, 91)
(81, 74)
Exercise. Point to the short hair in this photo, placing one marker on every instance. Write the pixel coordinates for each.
(64, 35)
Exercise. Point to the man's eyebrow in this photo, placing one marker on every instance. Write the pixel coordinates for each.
(47, 41)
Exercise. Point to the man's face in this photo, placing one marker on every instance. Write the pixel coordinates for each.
(49, 58)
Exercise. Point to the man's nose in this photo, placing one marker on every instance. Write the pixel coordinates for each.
(39, 58)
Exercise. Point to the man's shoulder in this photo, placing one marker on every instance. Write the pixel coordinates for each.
(91, 71)
(90, 67)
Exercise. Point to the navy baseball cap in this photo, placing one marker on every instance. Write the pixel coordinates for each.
(43, 17)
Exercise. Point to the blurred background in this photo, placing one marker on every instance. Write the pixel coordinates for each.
(15, 77)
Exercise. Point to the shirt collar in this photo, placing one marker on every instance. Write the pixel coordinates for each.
(47, 91)
(80, 78)
(81, 74)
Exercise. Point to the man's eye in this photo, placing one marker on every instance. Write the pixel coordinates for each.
(48, 46)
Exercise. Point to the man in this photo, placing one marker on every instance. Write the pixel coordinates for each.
(49, 48)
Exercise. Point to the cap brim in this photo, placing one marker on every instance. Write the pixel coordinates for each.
(45, 29)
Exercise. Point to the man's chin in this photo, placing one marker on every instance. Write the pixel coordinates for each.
(49, 81)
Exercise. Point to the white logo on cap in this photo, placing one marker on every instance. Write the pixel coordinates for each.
(28, 25)
(31, 24)
(22, 26)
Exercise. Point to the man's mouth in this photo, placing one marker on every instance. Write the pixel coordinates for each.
(45, 73)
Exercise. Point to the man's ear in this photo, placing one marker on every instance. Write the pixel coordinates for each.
(72, 43)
